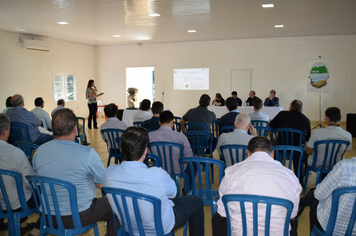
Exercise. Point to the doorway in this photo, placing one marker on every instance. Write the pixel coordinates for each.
(141, 78)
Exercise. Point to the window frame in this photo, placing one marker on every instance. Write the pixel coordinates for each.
(64, 84)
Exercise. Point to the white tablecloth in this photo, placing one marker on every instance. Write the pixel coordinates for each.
(127, 116)
(270, 111)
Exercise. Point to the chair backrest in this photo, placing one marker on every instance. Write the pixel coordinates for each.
(153, 160)
(28, 148)
(200, 141)
(138, 123)
(339, 197)
(215, 127)
(45, 190)
(81, 130)
(259, 123)
(227, 129)
(111, 137)
(176, 124)
(287, 136)
(285, 153)
(265, 206)
(264, 131)
(13, 217)
(192, 126)
(132, 205)
(169, 154)
(333, 152)
(19, 132)
(233, 153)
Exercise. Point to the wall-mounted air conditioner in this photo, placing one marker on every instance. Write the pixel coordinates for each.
(35, 44)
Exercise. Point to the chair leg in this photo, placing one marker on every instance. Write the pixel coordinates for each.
(214, 207)
(178, 186)
(108, 161)
(96, 230)
(318, 178)
(306, 180)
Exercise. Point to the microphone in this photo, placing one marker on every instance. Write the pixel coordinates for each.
(95, 88)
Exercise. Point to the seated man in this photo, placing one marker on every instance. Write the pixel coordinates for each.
(60, 105)
(229, 118)
(333, 131)
(153, 123)
(272, 100)
(144, 113)
(7, 104)
(42, 114)
(238, 100)
(219, 101)
(251, 97)
(258, 114)
(19, 114)
(166, 134)
(319, 199)
(259, 174)
(64, 159)
(200, 114)
(14, 159)
(134, 175)
(239, 136)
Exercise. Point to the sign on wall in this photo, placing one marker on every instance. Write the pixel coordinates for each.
(319, 76)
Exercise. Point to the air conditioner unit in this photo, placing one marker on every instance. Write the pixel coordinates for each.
(35, 44)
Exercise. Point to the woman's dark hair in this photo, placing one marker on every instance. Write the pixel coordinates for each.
(8, 102)
(133, 143)
(90, 82)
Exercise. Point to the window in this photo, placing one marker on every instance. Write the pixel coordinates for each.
(64, 87)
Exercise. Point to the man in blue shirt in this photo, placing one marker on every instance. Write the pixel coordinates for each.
(229, 118)
(62, 158)
(272, 100)
(134, 175)
(153, 123)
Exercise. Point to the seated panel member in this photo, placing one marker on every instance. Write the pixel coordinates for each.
(272, 100)
(258, 114)
(134, 175)
(229, 118)
(219, 101)
(153, 123)
(144, 112)
(252, 96)
(238, 100)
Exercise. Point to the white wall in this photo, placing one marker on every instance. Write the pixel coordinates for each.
(277, 63)
(30, 73)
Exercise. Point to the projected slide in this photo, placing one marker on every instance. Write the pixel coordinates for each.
(191, 79)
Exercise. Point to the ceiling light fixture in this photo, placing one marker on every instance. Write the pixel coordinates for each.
(154, 14)
(267, 5)
(20, 29)
(62, 23)
(279, 26)
(191, 31)
(117, 36)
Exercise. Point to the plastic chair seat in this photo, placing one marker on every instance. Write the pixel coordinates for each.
(288, 136)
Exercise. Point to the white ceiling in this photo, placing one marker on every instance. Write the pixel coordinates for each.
(95, 22)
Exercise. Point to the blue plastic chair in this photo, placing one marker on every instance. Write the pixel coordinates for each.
(153, 160)
(287, 136)
(128, 202)
(284, 153)
(264, 131)
(112, 138)
(227, 129)
(81, 132)
(192, 126)
(200, 141)
(27, 148)
(266, 203)
(334, 151)
(233, 153)
(19, 132)
(14, 217)
(45, 189)
(176, 124)
(165, 151)
(259, 123)
(209, 195)
(337, 193)
(138, 123)
(215, 127)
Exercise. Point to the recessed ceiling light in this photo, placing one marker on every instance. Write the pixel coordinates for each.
(20, 29)
(279, 26)
(191, 31)
(117, 36)
(154, 14)
(62, 23)
(267, 5)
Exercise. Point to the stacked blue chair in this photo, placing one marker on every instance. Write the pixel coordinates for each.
(19, 132)
(112, 138)
(336, 195)
(14, 217)
(165, 151)
(333, 149)
(47, 205)
(27, 148)
(137, 123)
(233, 153)
(265, 202)
(284, 153)
(209, 195)
(81, 131)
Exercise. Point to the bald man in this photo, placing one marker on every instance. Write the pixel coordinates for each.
(251, 97)
(239, 136)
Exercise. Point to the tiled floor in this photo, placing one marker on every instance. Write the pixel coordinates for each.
(96, 142)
